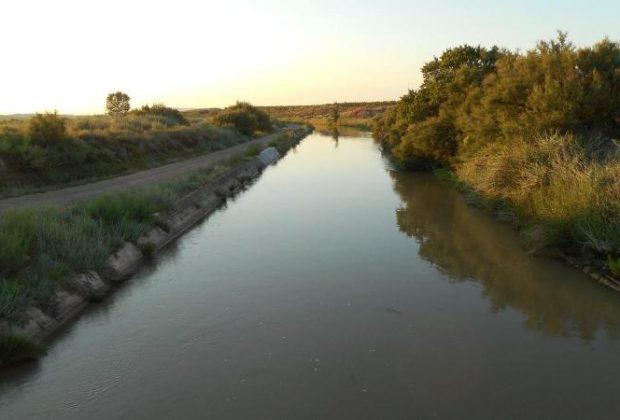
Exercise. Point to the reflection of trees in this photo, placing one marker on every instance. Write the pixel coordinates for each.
(342, 131)
(466, 245)
(335, 136)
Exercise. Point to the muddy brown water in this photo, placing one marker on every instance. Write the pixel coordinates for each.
(336, 288)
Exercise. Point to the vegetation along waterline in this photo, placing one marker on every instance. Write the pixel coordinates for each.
(357, 115)
(49, 150)
(52, 260)
(533, 135)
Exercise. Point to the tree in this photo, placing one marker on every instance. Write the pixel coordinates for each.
(334, 115)
(448, 80)
(46, 129)
(117, 103)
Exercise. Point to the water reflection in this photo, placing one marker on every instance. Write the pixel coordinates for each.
(467, 246)
(335, 136)
(343, 131)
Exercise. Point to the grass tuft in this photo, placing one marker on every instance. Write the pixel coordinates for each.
(41, 248)
(555, 182)
(17, 348)
(614, 266)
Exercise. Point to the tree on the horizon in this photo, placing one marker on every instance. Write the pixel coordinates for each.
(334, 116)
(117, 103)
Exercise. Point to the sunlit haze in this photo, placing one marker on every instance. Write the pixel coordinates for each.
(67, 55)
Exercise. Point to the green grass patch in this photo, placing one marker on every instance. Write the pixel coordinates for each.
(17, 348)
(447, 175)
(41, 248)
(614, 266)
(252, 151)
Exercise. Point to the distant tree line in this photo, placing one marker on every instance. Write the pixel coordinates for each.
(118, 103)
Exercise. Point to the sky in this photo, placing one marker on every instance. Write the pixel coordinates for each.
(68, 55)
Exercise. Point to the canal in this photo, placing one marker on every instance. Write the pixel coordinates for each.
(337, 288)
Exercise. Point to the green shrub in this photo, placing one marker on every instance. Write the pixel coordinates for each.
(529, 133)
(34, 285)
(148, 249)
(614, 266)
(74, 238)
(432, 140)
(47, 129)
(495, 95)
(244, 118)
(167, 116)
(17, 348)
(252, 151)
(17, 241)
(13, 296)
(12, 142)
(554, 181)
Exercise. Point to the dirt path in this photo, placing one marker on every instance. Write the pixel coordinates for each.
(131, 181)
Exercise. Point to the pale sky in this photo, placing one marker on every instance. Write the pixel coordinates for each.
(67, 55)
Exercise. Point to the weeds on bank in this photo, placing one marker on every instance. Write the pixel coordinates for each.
(558, 185)
(99, 147)
(614, 266)
(16, 348)
(40, 248)
(253, 151)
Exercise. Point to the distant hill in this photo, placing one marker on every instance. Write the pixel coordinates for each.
(15, 116)
(363, 110)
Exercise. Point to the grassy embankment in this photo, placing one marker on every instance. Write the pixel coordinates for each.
(48, 150)
(532, 136)
(41, 249)
(351, 115)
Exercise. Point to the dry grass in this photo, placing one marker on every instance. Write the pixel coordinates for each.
(100, 146)
(556, 182)
(101, 125)
(357, 115)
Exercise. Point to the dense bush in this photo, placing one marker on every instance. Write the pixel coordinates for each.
(168, 116)
(495, 95)
(47, 129)
(16, 348)
(536, 131)
(431, 140)
(244, 118)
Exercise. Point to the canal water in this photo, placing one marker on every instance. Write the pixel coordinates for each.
(336, 288)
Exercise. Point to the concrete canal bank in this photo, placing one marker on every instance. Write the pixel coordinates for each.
(38, 324)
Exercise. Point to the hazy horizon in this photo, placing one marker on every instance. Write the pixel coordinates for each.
(68, 55)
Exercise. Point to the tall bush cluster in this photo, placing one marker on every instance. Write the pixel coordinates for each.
(473, 96)
(537, 130)
(166, 115)
(47, 129)
(245, 118)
